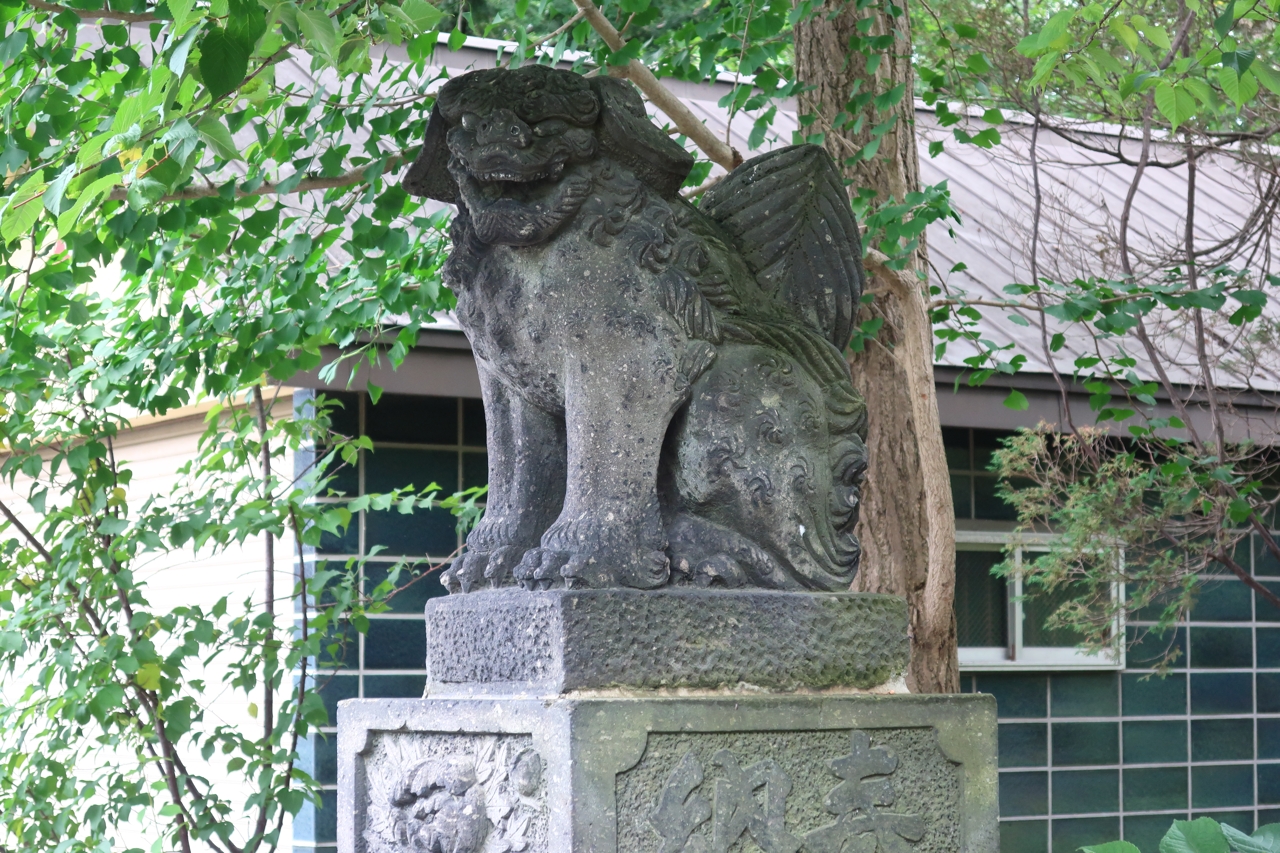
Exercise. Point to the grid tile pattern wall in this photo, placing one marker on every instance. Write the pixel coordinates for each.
(417, 440)
(1090, 757)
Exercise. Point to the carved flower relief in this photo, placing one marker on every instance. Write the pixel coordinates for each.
(483, 802)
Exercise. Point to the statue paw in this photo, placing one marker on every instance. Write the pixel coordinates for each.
(502, 562)
(466, 572)
(644, 569)
(540, 568)
(719, 570)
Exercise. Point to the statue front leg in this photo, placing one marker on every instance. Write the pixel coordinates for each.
(526, 486)
(610, 532)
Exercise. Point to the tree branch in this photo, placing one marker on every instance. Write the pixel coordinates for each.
(269, 598)
(1225, 559)
(347, 179)
(660, 96)
(95, 14)
(27, 534)
(539, 42)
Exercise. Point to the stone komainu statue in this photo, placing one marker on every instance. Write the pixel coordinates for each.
(663, 384)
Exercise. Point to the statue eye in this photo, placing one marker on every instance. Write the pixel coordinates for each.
(469, 121)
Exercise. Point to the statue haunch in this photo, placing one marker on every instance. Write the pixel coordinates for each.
(663, 384)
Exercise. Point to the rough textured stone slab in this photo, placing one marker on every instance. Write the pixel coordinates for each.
(800, 774)
(561, 640)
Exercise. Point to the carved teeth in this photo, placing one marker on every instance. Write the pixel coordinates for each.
(553, 171)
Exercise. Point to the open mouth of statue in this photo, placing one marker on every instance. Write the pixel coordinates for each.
(517, 183)
(518, 203)
(510, 175)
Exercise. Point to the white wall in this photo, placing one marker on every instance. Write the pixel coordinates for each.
(154, 450)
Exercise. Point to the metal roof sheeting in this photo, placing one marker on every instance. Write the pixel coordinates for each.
(1083, 193)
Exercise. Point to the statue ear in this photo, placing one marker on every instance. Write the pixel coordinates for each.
(429, 175)
(629, 136)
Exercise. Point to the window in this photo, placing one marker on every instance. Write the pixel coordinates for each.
(999, 627)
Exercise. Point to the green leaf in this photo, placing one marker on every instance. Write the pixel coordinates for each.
(630, 51)
(181, 12)
(23, 209)
(1240, 60)
(458, 38)
(214, 132)
(178, 59)
(1265, 840)
(321, 31)
(1200, 90)
(1267, 76)
(58, 189)
(12, 45)
(1174, 103)
(1054, 35)
(375, 393)
(181, 140)
(106, 701)
(1222, 24)
(145, 192)
(1124, 32)
(224, 62)
(1112, 847)
(977, 64)
(1044, 67)
(1016, 400)
(423, 15)
(1202, 835)
(91, 195)
(1239, 510)
(246, 22)
(1239, 88)
(1153, 32)
(148, 676)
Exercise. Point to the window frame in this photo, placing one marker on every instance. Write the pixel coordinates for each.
(1015, 655)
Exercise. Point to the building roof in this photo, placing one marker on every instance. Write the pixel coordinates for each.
(992, 190)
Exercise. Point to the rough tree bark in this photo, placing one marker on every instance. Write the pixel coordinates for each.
(908, 521)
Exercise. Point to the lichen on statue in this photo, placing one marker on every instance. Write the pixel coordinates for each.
(664, 386)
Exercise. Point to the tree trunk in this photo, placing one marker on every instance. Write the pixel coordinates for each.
(907, 525)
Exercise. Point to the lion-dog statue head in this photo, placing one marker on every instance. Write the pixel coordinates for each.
(512, 144)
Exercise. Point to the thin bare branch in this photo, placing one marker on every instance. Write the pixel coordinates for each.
(95, 14)
(269, 597)
(347, 179)
(1036, 217)
(559, 31)
(27, 534)
(1250, 581)
(694, 192)
(660, 96)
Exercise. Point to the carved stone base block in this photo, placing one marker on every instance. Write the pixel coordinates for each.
(507, 642)
(820, 773)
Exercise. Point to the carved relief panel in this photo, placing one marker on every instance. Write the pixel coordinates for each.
(850, 791)
(442, 793)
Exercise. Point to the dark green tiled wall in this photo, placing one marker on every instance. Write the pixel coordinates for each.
(1086, 756)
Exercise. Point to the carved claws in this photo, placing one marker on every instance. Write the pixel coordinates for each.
(543, 568)
(474, 568)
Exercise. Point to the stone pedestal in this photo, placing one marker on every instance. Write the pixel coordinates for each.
(512, 642)
(612, 722)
